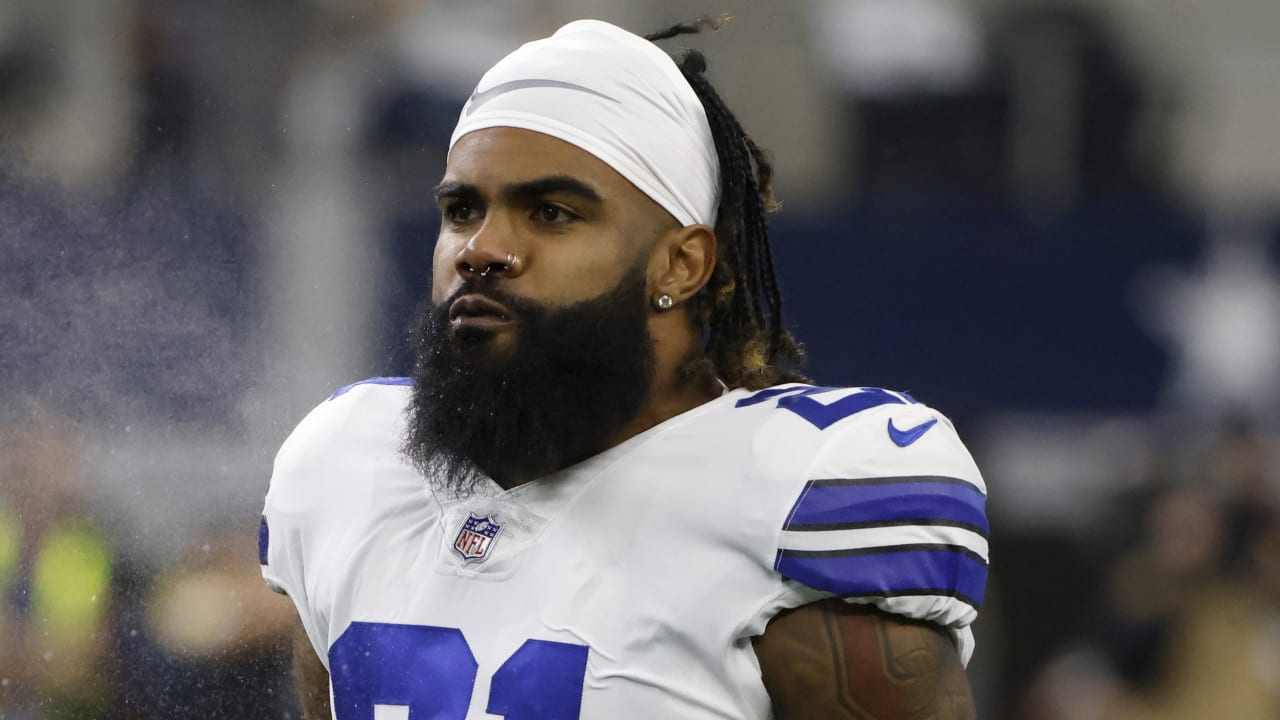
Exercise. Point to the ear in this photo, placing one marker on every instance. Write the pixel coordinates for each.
(682, 262)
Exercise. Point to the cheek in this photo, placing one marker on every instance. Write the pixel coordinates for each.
(586, 272)
(443, 273)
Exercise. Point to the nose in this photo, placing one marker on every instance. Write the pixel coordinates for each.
(486, 254)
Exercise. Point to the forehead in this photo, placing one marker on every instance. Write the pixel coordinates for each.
(499, 156)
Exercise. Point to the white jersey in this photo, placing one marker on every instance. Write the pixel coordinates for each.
(629, 585)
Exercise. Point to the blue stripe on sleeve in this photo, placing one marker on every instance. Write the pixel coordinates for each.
(875, 500)
(908, 570)
(264, 541)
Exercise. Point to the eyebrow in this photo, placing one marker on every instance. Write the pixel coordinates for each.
(535, 188)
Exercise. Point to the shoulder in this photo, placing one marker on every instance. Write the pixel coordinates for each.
(884, 504)
(323, 483)
(322, 498)
(358, 424)
(852, 432)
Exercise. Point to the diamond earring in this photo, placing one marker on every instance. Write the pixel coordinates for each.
(665, 302)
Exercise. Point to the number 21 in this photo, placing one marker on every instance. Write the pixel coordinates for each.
(431, 671)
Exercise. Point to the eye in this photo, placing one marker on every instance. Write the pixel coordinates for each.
(460, 211)
(554, 214)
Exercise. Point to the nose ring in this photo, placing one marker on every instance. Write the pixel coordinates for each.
(512, 265)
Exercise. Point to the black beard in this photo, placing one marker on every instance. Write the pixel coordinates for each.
(572, 378)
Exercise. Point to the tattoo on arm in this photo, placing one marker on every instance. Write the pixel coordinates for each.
(846, 662)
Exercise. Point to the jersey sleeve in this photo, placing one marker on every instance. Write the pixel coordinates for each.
(892, 513)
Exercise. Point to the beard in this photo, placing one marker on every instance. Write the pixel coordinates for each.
(571, 378)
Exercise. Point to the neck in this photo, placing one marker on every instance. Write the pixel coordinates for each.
(671, 396)
(675, 389)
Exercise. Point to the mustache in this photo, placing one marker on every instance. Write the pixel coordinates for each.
(520, 307)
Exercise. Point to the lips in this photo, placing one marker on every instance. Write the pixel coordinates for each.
(478, 310)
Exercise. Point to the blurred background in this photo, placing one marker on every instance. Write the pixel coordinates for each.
(1057, 221)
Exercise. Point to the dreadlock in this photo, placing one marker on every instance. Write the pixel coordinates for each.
(740, 310)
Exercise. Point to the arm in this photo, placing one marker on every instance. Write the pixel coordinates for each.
(311, 677)
(830, 659)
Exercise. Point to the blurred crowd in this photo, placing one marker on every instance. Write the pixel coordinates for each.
(212, 214)
(1183, 621)
(87, 631)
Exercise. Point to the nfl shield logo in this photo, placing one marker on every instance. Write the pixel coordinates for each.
(476, 537)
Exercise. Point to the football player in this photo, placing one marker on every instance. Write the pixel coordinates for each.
(606, 491)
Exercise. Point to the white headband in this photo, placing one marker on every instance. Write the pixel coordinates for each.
(615, 95)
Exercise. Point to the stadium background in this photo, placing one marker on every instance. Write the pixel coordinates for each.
(1056, 221)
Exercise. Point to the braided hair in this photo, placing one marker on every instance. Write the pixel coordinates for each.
(740, 309)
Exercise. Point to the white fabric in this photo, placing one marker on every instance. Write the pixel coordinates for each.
(615, 95)
(658, 555)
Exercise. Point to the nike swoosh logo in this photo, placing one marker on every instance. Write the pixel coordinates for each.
(480, 98)
(903, 438)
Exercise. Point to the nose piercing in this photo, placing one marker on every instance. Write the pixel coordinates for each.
(512, 265)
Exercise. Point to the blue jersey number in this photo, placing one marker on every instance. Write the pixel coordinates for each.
(432, 671)
(823, 415)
